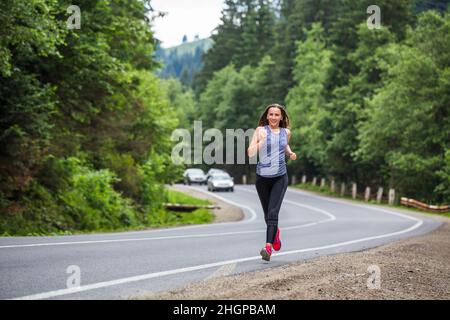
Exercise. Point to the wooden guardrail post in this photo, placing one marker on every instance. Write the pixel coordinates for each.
(367, 194)
(322, 182)
(354, 189)
(304, 179)
(294, 179)
(391, 197)
(379, 194)
(342, 189)
(332, 187)
(314, 181)
(244, 179)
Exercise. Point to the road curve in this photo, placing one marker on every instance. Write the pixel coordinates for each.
(123, 265)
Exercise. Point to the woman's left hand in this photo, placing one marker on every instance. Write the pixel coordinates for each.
(293, 156)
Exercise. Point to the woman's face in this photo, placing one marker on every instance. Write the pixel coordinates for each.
(274, 116)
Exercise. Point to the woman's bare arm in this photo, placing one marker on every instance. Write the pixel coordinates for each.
(288, 150)
(256, 143)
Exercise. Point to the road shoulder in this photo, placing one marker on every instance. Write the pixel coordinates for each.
(413, 268)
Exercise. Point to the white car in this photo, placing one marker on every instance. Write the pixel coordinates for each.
(220, 181)
(194, 176)
(213, 171)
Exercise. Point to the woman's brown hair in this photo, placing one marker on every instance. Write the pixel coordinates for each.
(284, 122)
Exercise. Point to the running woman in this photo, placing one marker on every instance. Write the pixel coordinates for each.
(271, 142)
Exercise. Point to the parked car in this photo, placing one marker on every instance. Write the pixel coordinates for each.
(213, 171)
(194, 176)
(220, 181)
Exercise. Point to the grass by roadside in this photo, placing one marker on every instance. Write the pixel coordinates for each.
(183, 198)
(158, 219)
(326, 191)
(174, 218)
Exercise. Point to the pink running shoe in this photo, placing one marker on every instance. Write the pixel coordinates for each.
(277, 242)
(266, 252)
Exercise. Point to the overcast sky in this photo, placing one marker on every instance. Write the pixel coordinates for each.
(185, 17)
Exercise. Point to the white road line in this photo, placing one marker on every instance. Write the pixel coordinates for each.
(355, 204)
(138, 239)
(323, 198)
(52, 294)
(330, 216)
(155, 238)
(253, 217)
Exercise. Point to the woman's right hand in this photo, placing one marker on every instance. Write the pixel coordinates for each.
(262, 135)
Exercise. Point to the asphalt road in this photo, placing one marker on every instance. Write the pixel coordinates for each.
(124, 265)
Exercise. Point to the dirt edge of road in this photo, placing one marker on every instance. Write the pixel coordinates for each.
(413, 268)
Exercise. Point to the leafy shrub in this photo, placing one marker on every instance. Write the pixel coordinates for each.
(92, 202)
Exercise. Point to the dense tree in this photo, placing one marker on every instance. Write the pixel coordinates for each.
(85, 128)
(408, 120)
(29, 33)
(183, 62)
(340, 81)
(423, 5)
(349, 101)
(244, 36)
(305, 101)
(182, 100)
(226, 41)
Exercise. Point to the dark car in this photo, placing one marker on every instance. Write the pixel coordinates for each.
(194, 176)
(220, 181)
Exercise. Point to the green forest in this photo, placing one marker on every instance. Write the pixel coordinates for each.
(86, 123)
(183, 61)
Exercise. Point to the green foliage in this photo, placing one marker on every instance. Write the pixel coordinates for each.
(172, 218)
(26, 103)
(152, 184)
(408, 124)
(85, 94)
(244, 36)
(349, 101)
(167, 217)
(366, 105)
(91, 201)
(185, 59)
(305, 101)
(38, 33)
(444, 174)
(182, 100)
(235, 99)
(37, 213)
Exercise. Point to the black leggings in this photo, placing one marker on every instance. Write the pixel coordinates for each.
(271, 193)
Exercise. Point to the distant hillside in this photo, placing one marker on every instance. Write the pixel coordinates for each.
(183, 61)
